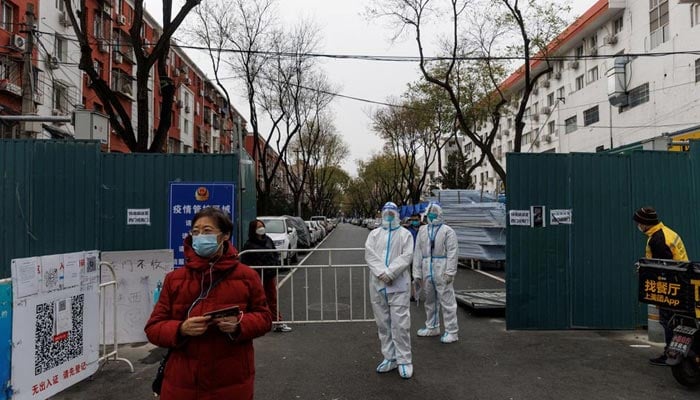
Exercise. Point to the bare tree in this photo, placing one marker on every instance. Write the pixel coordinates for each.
(459, 45)
(146, 56)
(324, 167)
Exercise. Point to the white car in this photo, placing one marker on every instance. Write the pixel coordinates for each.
(283, 235)
(315, 232)
(321, 228)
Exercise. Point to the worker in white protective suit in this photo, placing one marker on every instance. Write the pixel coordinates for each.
(389, 253)
(434, 270)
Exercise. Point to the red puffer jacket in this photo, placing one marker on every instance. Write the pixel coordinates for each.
(213, 365)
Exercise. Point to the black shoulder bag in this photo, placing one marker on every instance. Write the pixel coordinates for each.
(160, 374)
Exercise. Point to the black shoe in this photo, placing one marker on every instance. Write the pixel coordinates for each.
(413, 298)
(660, 361)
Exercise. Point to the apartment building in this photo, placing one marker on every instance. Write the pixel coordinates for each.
(609, 91)
(202, 120)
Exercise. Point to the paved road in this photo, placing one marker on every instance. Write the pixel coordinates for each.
(337, 361)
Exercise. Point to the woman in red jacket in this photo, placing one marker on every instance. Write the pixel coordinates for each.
(209, 359)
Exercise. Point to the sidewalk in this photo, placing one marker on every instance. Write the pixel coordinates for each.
(337, 361)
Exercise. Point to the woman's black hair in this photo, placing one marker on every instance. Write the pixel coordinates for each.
(252, 226)
(221, 219)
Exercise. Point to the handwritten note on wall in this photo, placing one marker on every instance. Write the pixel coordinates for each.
(139, 274)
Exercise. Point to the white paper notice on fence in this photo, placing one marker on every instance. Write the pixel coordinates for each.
(71, 268)
(52, 273)
(561, 217)
(138, 216)
(26, 273)
(519, 217)
(139, 274)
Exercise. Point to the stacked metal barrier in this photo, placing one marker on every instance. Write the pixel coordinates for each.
(479, 221)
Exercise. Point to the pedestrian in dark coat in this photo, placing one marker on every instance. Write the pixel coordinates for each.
(209, 359)
(258, 240)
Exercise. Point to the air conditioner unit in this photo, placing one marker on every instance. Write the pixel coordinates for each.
(64, 19)
(117, 56)
(201, 93)
(535, 91)
(19, 42)
(573, 65)
(52, 62)
(594, 51)
(102, 46)
(38, 98)
(187, 109)
(106, 8)
(557, 75)
(187, 81)
(611, 39)
(545, 84)
(121, 19)
(498, 136)
(505, 132)
(96, 66)
(176, 72)
(536, 143)
(547, 138)
(535, 117)
(545, 110)
(184, 69)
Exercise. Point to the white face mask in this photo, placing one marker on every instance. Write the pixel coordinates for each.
(260, 231)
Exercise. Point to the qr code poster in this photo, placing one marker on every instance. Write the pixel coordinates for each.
(55, 336)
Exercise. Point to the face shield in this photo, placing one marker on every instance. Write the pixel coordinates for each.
(390, 216)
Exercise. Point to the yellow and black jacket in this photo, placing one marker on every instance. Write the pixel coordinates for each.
(665, 244)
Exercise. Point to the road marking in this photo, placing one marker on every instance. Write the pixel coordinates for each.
(642, 346)
(289, 275)
(490, 276)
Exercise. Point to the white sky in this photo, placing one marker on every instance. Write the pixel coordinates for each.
(345, 31)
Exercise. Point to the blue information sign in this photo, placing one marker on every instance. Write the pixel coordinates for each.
(186, 199)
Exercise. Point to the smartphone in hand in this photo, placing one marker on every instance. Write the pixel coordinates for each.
(223, 313)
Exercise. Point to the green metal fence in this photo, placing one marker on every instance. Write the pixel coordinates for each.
(63, 196)
(582, 275)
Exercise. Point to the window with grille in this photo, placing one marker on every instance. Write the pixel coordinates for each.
(570, 124)
(639, 95)
(579, 51)
(579, 82)
(550, 128)
(60, 97)
(593, 74)
(658, 22)
(526, 138)
(617, 25)
(7, 12)
(550, 99)
(560, 94)
(60, 48)
(590, 116)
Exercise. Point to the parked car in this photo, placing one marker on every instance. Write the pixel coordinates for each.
(284, 235)
(302, 231)
(315, 231)
(321, 228)
(321, 219)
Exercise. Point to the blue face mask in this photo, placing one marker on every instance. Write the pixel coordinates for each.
(205, 245)
(432, 216)
(389, 218)
(415, 223)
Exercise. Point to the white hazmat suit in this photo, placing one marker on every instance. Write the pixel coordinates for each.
(389, 253)
(434, 268)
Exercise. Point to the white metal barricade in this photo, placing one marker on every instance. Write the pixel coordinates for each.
(114, 354)
(349, 279)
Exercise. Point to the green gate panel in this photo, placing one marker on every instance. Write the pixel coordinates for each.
(64, 196)
(49, 198)
(536, 283)
(582, 276)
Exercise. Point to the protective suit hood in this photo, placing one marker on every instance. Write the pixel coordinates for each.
(436, 209)
(390, 216)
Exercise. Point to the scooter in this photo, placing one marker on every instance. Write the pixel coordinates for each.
(683, 354)
(675, 285)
